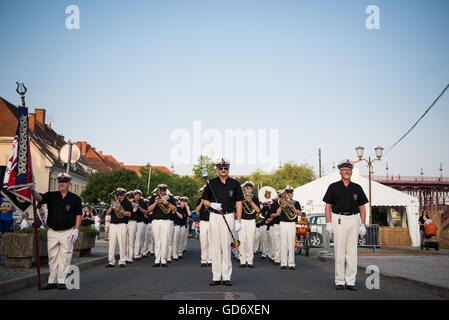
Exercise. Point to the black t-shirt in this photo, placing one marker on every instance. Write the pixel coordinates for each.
(227, 193)
(127, 206)
(273, 208)
(421, 220)
(86, 222)
(263, 213)
(345, 199)
(158, 213)
(251, 216)
(62, 212)
(183, 212)
(139, 214)
(204, 212)
(284, 217)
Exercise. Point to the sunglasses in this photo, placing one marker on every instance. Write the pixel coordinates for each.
(63, 180)
(223, 168)
(121, 193)
(163, 189)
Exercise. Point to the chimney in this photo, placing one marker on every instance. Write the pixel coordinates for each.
(48, 125)
(31, 121)
(83, 148)
(101, 153)
(40, 117)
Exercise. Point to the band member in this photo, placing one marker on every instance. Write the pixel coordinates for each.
(150, 226)
(183, 227)
(131, 228)
(289, 211)
(146, 232)
(179, 215)
(203, 213)
(257, 237)
(119, 212)
(224, 196)
(63, 221)
(250, 209)
(171, 231)
(139, 206)
(275, 232)
(162, 206)
(345, 218)
(263, 229)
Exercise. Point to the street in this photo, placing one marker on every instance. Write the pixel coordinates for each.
(186, 280)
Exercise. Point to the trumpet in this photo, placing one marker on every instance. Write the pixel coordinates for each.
(165, 208)
(283, 200)
(116, 206)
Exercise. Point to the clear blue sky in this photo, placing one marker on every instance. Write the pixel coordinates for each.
(137, 70)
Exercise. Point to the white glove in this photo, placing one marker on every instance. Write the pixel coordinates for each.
(362, 230)
(74, 235)
(216, 206)
(329, 227)
(237, 226)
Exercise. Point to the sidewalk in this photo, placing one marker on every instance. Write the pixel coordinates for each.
(16, 279)
(424, 268)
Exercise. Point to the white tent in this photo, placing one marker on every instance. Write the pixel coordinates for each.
(310, 196)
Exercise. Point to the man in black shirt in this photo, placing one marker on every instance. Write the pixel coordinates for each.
(345, 218)
(131, 228)
(263, 229)
(146, 233)
(140, 210)
(250, 209)
(203, 213)
(63, 221)
(119, 212)
(275, 232)
(163, 206)
(224, 196)
(183, 228)
(179, 217)
(287, 227)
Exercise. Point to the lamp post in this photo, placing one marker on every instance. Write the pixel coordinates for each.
(370, 162)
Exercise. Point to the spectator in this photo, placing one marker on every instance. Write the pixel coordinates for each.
(87, 218)
(6, 215)
(421, 222)
(97, 223)
(107, 222)
(40, 216)
(24, 224)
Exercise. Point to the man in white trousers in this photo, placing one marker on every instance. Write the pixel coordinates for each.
(63, 221)
(287, 228)
(131, 229)
(141, 211)
(345, 218)
(275, 235)
(162, 206)
(179, 216)
(119, 212)
(250, 209)
(146, 237)
(223, 195)
(204, 214)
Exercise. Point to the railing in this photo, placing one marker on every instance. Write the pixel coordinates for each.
(409, 178)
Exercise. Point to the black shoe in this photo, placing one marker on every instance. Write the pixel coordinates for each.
(137, 259)
(168, 261)
(110, 265)
(122, 265)
(277, 263)
(251, 266)
(204, 265)
(214, 283)
(352, 288)
(227, 283)
(145, 256)
(209, 264)
(62, 286)
(156, 265)
(130, 262)
(50, 286)
(283, 267)
(164, 265)
(175, 259)
(242, 265)
(152, 254)
(340, 287)
(180, 257)
(264, 257)
(292, 268)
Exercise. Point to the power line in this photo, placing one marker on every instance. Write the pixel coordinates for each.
(428, 109)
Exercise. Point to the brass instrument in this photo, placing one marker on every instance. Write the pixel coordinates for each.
(259, 218)
(283, 200)
(165, 208)
(246, 205)
(116, 206)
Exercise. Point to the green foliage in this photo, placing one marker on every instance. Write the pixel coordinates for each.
(101, 184)
(89, 230)
(42, 233)
(290, 174)
(205, 163)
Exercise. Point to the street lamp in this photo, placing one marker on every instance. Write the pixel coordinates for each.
(370, 162)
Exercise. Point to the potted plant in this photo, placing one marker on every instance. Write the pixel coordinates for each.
(85, 242)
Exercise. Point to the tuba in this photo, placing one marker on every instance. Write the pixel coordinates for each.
(246, 205)
(165, 208)
(116, 206)
(283, 201)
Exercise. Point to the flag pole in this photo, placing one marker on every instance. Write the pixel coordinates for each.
(21, 90)
(149, 176)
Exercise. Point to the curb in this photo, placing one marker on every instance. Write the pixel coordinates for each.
(433, 289)
(31, 281)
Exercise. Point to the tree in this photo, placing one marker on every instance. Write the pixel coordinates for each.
(101, 184)
(205, 163)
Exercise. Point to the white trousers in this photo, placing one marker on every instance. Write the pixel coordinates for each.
(170, 240)
(205, 242)
(220, 241)
(185, 234)
(176, 240)
(345, 248)
(60, 249)
(246, 237)
(161, 229)
(146, 239)
(138, 243)
(287, 236)
(257, 245)
(263, 240)
(132, 229)
(151, 242)
(117, 234)
(276, 243)
(270, 242)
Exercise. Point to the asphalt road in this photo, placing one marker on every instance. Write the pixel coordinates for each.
(186, 280)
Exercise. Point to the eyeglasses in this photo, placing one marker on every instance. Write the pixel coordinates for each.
(223, 168)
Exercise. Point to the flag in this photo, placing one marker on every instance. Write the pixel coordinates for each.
(18, 178)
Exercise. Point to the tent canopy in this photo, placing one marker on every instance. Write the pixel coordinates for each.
(310, 196)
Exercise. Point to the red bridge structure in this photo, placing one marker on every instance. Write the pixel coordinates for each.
(432, 192)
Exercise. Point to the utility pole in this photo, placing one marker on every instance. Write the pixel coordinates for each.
(319, 160)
